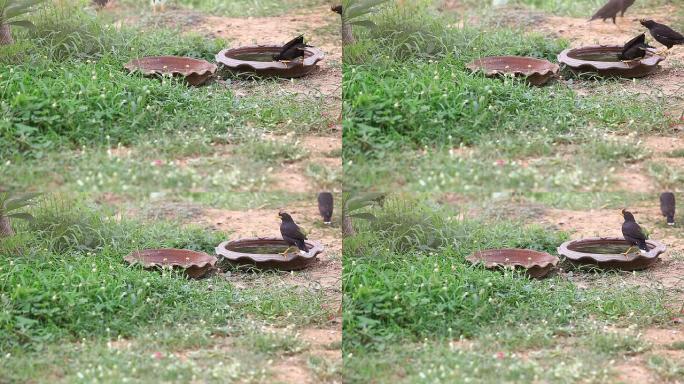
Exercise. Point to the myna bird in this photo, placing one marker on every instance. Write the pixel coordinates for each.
(611, 9)
(293, 235)
(663, 34)
(633, 233)
(292, 49)
(667, 206)
(325, 206)
(634, 49)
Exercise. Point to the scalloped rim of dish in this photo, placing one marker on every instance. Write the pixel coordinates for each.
(132, 259)
(564, 58)
(473, 258)
(222, 250)
(232, 63)
(133, 67)
(553, 70)
(653, 253)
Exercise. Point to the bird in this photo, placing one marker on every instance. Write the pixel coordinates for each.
(101, 3)
(611, 9)
(157, 5)
(292, 49)
(292, 233)
(667, 206)
(634, 49)
(663, 34)
(633, 233)
(325, 206)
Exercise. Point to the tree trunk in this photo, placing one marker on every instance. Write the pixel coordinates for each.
(6, 35)
(347, 35)
(5, 227)
(347, 227)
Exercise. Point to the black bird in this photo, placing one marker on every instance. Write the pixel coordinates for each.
(325, 206)
(667, 206)
(634, 49)
(292, 49)
(611, 9)
(663, 34)
(633, 233)
(293, 235)
(101, 3)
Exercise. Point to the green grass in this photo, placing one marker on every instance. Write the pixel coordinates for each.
(409, 292)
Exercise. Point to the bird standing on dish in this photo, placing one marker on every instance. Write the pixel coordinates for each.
(667, 207)
(663, 34)
(292, 233)
(611, 9)
(633, 233)
(634, 49)
(292, 49)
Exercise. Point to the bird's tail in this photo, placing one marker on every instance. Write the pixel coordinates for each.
(302, 246)
(670, 220)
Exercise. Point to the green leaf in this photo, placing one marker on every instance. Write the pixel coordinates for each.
(22, 23)
(364, 200)
(16, 202)
(21, 215)
(363, 23)
(16, 8)
(361, 8)
(363, 215)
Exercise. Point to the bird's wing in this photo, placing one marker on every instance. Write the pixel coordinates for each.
(301, 232)
(634, 230)
(297, 40)
(663, 31)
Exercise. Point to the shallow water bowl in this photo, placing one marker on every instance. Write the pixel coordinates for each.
(195, 264)
(194, 71)
(536, 264)
(535, 71)
(606, 252)
(265, 253)
(258, 60)
(603, 60)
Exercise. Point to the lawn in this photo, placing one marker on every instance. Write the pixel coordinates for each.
(472, 163)
(127, 162)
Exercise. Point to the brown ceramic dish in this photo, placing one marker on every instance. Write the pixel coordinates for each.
(195, 264)
(603, 61)
(535, 71)
(194, 71)
(235, 253)
(579, 251)
(536, 264)
(258, 60)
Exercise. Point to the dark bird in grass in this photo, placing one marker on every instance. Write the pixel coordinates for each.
(101, 3)
(634, 49)
(293, 235)
(667, 206)
(663, 34)
(611, 9)
(325, 206)
(633, 233)
(292, 49)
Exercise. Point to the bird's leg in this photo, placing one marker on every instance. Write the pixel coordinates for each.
(663, 52)
(628, 250)
(286, 251)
